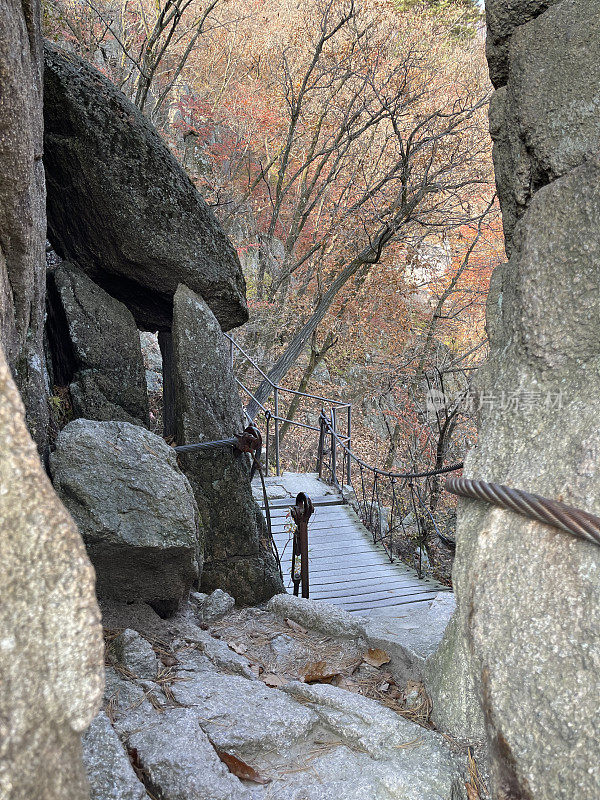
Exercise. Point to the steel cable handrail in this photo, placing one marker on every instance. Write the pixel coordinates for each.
(579, 523)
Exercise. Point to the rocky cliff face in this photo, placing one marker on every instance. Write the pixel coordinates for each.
(122, 207)
(51, 654)
(526, 635)
(22, 212)
(95, 349)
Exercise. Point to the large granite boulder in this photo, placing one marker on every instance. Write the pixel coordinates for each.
(521, 659)
(22, 212)
(51, 651)
(237, 556)
(120, 205)
(546, 121)
(502, 18)
(95, 349)
(134, 508)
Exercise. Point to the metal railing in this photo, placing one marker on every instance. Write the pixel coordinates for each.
(271, 412)
(384, 499)
(389, 504)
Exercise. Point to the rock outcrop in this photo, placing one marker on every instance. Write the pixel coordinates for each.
(51, 653)
(95, 349)
(22, 213)
(502, 18)
(134, 653)
(134, 508)
(304, 742)
(526, 633)
(122, 208)
(545, 120)
(237, 557)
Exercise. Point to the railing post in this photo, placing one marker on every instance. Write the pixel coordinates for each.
(348, 475)
(333, 447)
(276, 401)
(321, 443)
(268, 419)
(301, 513)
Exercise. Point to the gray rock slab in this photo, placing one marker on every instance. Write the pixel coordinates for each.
(134, 653)
(134, 508)
(416, 763)
(317, 615)
(108, 769)
(410, 635)
(341, 772)
(237, 554)
(216, 605)
(546, 121)
(126, 704)
(525, 643)
(237, 713)
(95, 349)
(180, 761)
(216, 650)
(51, 649)
(557, 110)
(449, 681)
(121, 206)
(503, 17)
(310, 742)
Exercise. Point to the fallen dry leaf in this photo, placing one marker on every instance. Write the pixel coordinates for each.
(239, 768)
(295, 626)
(238, 648)
(376, 657)
(274, 681)
(319, 672)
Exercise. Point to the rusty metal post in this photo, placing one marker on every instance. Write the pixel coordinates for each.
(268, 421)
(301, 513)
(320, 454)
(333, 448)
(276, 401)
(348, 475)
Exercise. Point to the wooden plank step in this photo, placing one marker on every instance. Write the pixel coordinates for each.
(401, 601)
(378, 594)
(342, 589)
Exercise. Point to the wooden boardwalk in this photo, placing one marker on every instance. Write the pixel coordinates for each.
(346, 568)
